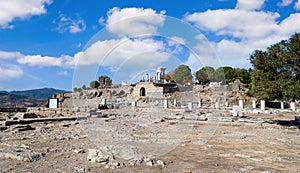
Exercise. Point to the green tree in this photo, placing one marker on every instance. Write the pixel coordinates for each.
(276, 72)
(182, 74)
(94, 84)
(205, 75)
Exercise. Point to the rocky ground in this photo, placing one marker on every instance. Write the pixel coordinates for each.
(154, 141)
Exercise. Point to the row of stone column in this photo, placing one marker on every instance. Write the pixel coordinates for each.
(263, 105)
(217, 104)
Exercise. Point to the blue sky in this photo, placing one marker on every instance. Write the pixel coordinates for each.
(67, 43)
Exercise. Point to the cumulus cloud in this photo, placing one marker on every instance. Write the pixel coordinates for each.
(110, 53)
(244, 31)
(133, 21)
(116, 51)
(8, 72)
(67, 24)
(46, 61)
(10, 55)
(297, 5)
(285, 3)
(249, 4)
(12, 9)
(235, 23)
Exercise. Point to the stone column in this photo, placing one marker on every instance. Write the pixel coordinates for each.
(293, 106)
(253, 104)
(241, 104)
(200, 103)
(133, 104)
(236, 110)
(158, 76)
(262, 105)
(103, 102)
(190, 106)
(175, 102)
(217, 105)
(166, 106)
(281, 105)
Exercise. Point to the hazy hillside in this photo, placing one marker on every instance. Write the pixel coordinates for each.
(38, 93)
(11, 100)
(27, 98)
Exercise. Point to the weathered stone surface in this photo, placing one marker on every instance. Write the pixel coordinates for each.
(3, 128)
(160, 163)
(149, 163)
(22, 115)
(20, 154)
(96, 155)
(24, 128)
(177, 116)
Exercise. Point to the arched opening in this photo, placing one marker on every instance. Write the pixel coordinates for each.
(142, 91)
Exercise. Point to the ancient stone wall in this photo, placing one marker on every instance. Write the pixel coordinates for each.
(150, 90)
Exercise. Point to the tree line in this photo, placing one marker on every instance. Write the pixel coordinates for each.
(183, 75)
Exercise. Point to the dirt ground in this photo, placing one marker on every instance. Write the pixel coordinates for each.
(235, 146)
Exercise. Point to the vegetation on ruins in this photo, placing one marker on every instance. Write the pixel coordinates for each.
(227, 74)
(205, 75)
(182, 74)
(94, 84)
(276, 71)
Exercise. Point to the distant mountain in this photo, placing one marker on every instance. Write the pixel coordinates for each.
(27, 98)
(18, 101)
(38, 93)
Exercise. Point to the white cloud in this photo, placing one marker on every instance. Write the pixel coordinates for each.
(176, 40)
(290, 25)
(244, 31)
(116, 51)
(68, 24)
(134, 21)
(249, 4)
(10, 55)
(46, 61)
(109, 53)
(12, 9)
(62, 73)
(285, 3)
(297, 5)
(38, 60)
(235, 23)
(8, 72)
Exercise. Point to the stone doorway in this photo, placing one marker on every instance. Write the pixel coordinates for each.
(142, 91)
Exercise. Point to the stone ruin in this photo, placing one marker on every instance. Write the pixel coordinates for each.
(104, 82)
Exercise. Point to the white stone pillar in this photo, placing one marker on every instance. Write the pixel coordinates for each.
(293, 106)
(133, 104)
(253, 104)
(241, 104)
(190, 106)
(200, 103)
(103, 102)
(217, 105)
(262, 105)
(166, 106)
(158, 76)
(236, 110)
(281, 105)
(175, 102)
